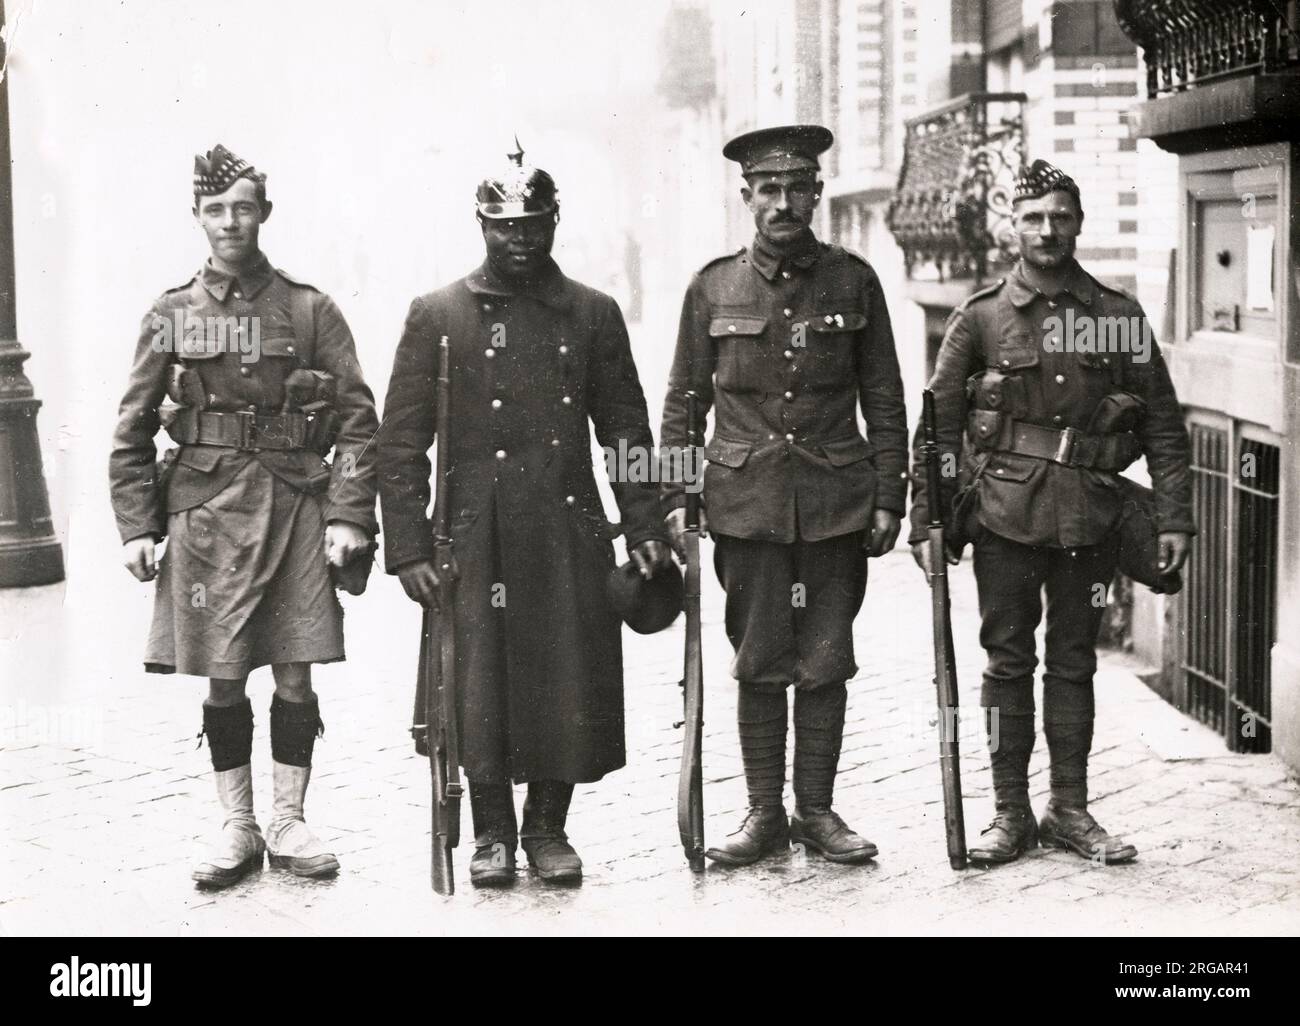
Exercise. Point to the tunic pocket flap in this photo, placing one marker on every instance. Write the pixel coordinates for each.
(721, 327)
(838, 321)
(728, 453)
(846, 450)
(1017, 351)
(282, 346)
(199, 457)
(1007, 467)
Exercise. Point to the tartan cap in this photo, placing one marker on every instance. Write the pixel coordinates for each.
(219, 170)
(1040, 178)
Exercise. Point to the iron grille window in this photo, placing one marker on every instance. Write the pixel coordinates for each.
(1229, 603)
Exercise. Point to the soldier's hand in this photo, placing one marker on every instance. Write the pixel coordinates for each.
(1174, 550)
(650, 557)
(138, 557)
(676, 524)
(921, 554)
(884, 532)
(420, 582)
(344, 542)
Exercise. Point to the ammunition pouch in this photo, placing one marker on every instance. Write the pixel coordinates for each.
(1001, 393)
(1117, 412)
(312, 393)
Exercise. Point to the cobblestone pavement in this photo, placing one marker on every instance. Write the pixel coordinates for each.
(104, 799)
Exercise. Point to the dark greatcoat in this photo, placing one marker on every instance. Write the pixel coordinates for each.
(539, 650)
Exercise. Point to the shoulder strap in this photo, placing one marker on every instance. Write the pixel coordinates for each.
(302, 312)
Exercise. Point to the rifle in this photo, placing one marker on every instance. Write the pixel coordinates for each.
(690, 781)
(945, 664)
(439, 683)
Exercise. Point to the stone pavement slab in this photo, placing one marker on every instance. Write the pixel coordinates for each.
(104, 800)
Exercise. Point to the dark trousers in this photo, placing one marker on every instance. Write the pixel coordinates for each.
(1011, 579)
(790, 608)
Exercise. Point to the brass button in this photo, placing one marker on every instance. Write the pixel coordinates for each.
(1056, 419)
(555, 443)
(252, 407)
(489, 353)
(245, 371)
(984, 429)
(289, 350)
(789, 396)
(1052, 304)
(829, 319)
(788, 354)
(567, 400)
(785, 274)
(1060, 379)
(237, 294)
(789, 438)
(501, 454)
(1106, 360)
(496, 404)
(1000, 470)
(788, 312)
(1006, 363)
(731, 327)
(564, 350)
(569, 500)
(487, 306)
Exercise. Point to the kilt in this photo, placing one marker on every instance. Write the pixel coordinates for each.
(244, 582)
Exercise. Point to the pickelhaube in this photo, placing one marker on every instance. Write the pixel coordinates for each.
(519, 191)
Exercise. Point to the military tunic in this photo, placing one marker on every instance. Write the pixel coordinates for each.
(539, 649)
(243, 581)
(1040, 524)
(785, 348)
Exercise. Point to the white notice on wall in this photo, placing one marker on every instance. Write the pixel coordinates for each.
(1259, 267)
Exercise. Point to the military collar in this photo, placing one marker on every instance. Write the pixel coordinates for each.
(248, 282)
(769, 261)
(1078, 283)
(550, 287)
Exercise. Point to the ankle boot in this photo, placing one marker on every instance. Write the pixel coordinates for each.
(291, 843)
(1067, 823)
(761, 715)
(1014, 829)
(239, 848)
(818, 736)
(544, 841)
(492, 808)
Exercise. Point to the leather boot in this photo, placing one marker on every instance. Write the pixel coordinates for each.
(765, 831)
(761, 715)
(492, 807)
(544, 841)
(1076, 831)
(290, 842)
(818, 735)
(239, 849)
(1014, 829)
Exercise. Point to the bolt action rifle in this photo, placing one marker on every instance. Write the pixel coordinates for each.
(945, 665)
(438, 678)
(690, 781)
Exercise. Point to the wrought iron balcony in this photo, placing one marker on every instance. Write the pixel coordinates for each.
(952, 207)
(1192, 42)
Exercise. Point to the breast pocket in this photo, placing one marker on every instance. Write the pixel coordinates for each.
(831, 341)
(738, 340)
